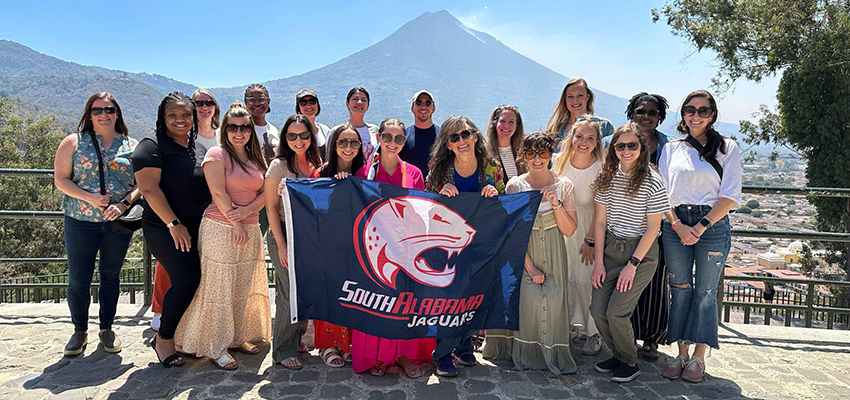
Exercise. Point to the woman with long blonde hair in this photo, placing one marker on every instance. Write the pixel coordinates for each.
(576, 101)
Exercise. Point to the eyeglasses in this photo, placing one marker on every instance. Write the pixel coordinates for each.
(426, 102)
(205, 103)
(703, 112)
(388, 137)
(632, 146)
(232, 128)
(292, 136)
(543, 153)
(310, 101)
(343, 143)
(101, 110)
(651, 113)
(456, 137)
(255, 100)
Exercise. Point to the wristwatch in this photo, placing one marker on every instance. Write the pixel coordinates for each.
(173, 223)
(705, 222)
(126, 203)
(635, 261)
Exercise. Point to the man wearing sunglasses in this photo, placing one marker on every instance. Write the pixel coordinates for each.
(648, 111)
(420, 135)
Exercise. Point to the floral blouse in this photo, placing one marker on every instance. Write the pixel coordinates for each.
(492, 175)
(118, 174)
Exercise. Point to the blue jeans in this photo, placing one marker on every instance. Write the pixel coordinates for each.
(693, 309)
(83, 240)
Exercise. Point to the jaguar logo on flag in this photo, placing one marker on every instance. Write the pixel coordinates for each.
(391, 235)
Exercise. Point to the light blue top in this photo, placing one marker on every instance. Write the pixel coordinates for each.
(605, 126)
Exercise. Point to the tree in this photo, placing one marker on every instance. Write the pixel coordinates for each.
(808, 43)
(757, 213)
(745, 210)
(753, 204)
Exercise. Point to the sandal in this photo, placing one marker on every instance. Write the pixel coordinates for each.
(174, 360)
(378, 369)
(478, 340)
(225, 360)
(332, 358)
(295, 363)
(347, 357)
(409, 367)
(247, 348)
(302, 348)
(650, 351)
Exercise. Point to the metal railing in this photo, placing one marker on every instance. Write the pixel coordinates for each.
(41, 290)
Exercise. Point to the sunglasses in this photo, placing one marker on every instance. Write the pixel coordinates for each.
(292, 136)
(651, 113)
(254, 100)
(456, 137)
(543, 153)
(101, 110)
(343, 143)
(703, 112)
(304, 102)
(632, 146)
(205, 103)
(232, 128)
(388, 137)
(426, 102)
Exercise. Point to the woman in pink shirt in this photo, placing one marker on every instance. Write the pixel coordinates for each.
(233, 295)
(370, 352)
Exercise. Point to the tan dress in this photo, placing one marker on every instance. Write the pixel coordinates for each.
(543, 339)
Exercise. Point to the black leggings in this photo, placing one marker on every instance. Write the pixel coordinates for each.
(184, 269)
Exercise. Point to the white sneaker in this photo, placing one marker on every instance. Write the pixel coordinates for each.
(156, 321)
(592, 346)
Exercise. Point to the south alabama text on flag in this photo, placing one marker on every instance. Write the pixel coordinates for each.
(401, 263)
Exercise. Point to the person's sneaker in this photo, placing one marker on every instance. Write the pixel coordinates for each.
(110, 342)
(467, 360)
(76, 344)
(625, 373)
(157, 318)
(446, 366)
(592, 346)
(694, 370)
(608, 365)
(675, 368)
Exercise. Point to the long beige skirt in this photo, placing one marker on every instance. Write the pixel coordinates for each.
(231, 305)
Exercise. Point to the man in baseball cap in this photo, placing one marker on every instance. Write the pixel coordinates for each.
(423, 131)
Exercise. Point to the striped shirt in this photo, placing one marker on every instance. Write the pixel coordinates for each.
(626, 217)
(506, 154)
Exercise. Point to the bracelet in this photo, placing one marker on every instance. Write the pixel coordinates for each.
(589, 242)
(673, 225)
(559, 205)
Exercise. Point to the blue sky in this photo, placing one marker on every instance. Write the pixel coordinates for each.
(613, 44)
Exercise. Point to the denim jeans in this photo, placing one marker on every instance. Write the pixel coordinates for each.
(693, 310)
(459, 343)
(83, 240)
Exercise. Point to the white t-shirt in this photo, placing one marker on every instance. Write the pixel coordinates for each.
(691, 180)
(508, 161)
(274, 136)
(323, 134)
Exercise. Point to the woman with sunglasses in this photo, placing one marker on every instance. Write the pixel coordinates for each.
(702, 173)
(460, 162)
(208, 121)
(576, 102)
(169, 173)
(101, 149)
(372, 353)
(297, 158)
(307, 104)
(504, 136)
(231, 305)
(630, 199)
(581, 160)
(346, 158)
(543, 339)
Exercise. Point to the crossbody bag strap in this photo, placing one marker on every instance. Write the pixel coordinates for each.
(711, 160)
(99, 162)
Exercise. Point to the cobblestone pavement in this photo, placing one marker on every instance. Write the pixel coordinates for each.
(755, 362)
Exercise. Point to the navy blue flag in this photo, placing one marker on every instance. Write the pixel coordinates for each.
(402, 263)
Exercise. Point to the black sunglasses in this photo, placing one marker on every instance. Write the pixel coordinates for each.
(204, 103)
(426, 102)
(343, 143)
(622, 146)
(703, 112)
(388, 137)
(292, 136)
(232, 128)
(651, 113)
(310, 101)
(101, 110)
(456, 137)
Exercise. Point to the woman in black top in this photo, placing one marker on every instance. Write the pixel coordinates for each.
(169, 174)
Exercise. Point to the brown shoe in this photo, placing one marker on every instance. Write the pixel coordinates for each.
(76, 344)
(110, 342)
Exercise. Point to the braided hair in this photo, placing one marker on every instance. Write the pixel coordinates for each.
(644, 97)
(176, 97)
(259, 86)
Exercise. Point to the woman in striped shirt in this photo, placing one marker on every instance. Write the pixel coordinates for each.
(630, 199)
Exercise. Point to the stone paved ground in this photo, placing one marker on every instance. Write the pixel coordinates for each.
(755, 362)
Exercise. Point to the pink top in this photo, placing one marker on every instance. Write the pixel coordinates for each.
(242, 187)
(414, 175)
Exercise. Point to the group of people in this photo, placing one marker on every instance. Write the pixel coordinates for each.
(628, 244)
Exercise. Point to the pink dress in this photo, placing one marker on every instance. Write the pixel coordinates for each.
(368, 350)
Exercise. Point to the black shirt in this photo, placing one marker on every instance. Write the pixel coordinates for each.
(182, 178)
(417, 149)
